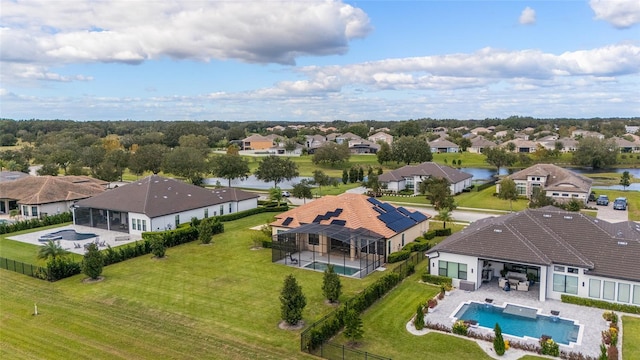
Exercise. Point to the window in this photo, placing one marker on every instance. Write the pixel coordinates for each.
(565, 195)
(177, 220)
(389, 248)
(25, 210)
(594, 288)
(558, 268)
(314, 239)
(636, 294)
(139, 224)
(34, 211)
(403, 240)
(144, 225)
(609, 290)
(452, 269)
(409, 183)
(565, 284)
(624, 292)
(230, 211)
(555, 194)
(221, 209)
(206, 213)
(574, 195)
(572, 270)
(521, 189)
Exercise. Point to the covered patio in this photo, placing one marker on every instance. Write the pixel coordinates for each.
(110, 220)
(353, 252)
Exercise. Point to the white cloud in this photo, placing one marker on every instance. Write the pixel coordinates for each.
(620, 13)
(59, 32)
(528, 16)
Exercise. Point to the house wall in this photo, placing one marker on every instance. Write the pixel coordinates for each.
(162, 222)
(395, 185)
(259, 145)
(566, 196)
(601, 283)
(145, 222)
(409, 236)
(472, 262)
(49, 209)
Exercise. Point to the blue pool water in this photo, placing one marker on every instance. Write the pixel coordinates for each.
(520, 322)
(339, 269)
(70, 235)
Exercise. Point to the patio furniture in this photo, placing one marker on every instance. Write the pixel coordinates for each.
(488, 300)
(502, 282)
(292, 259)
(555, 312)
(523, 286)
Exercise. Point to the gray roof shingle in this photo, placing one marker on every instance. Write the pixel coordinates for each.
(426, 169)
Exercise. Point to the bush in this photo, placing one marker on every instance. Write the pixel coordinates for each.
(549, 347)
(258, 210)
(612, 353)
(460, 328)
(398, 256)
(35, 223)
(436, 279)
(418, 322)
(61, 267)
(443, 232)
(600, 304)
(429, 235)
(93, 262)
(498, 341)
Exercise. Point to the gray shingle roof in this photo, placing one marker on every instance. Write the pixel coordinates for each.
(558, 178)
(553, 236)
(426, 169)
(157, 196)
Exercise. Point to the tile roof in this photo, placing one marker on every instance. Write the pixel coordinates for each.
(426, 169)
(441, 142)
(558, 178)
(156, 196)
(356, 210)
(11, 175)
(549, 236)
(34, 190)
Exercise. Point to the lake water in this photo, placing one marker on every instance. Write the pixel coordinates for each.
(254, 183)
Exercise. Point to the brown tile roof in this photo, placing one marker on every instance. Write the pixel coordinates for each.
(34, 190)
(357, 212)
(558, 178)
(426, 169)
(553, 236)
(156, 196)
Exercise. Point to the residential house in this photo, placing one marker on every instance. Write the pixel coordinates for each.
(586, 133)
(363, 146)
(626, 146)
(558, 183)
(631, 129)
(258, 142)
(351, 229)
(521, 146)
(11, 175)
(565, 253)
(481, 130)
(37, 196)
(479, 144)
(410, 177)
(381, 136)
(442, 145)
(158, 203)
(346, 137)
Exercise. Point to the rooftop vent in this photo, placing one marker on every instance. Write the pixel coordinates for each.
(546, 215)
(568, 217)
(165, 196)
(497, 230)
(623, 243)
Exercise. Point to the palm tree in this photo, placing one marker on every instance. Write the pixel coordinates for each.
(444, 214)
(51, 250)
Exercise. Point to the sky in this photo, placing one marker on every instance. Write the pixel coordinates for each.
(308, 60)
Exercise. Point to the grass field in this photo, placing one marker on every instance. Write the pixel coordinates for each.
(23, 252)
(630, 337)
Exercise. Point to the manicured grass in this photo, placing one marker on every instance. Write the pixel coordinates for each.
(215, 301)
(385, 333)
(23, 252)
(485, 199)
(630, 337)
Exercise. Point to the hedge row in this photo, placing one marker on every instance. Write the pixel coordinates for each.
(336, 320)
(419, 244)
(436, 279)
(35, 223)
(58, 268)
(429, 235)
(258, 210)
(631, 309)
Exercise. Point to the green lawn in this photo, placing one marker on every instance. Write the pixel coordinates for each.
(23, 252)
(217, 301)
(630, 337)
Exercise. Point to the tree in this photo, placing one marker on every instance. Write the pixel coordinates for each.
(418, 322)
(186, 162)
(157, 246)
(119, 159)
(499, 157)
(276, 169)
(93, 262)
(498, 341)
(438, 192)
(508, 191)
(233, 149)
(444, 215)
(302, 190)
(230, 166)
(205, 231)
(595, 153)
(539, 199)
(331, 286)
(373, 183)
(51, 249)
(290, 145)
(353, 326)
(384, 154)
(292, 301)
(148, 158)
(48, 169)
(197, 142)
(321, 179)
(464, 144)
(331, 153)
(275, 194)
(345, 176)
(410, 149)
(625, 180)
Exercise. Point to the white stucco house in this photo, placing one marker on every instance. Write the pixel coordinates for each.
(158, 203)
(410, 176)
(565, 253)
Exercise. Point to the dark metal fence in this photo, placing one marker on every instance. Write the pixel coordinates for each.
(331, 351)
(22, 268)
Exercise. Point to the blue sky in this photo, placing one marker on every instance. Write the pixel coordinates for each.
(318, 60)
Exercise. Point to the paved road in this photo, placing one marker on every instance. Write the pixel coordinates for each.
(608, 214)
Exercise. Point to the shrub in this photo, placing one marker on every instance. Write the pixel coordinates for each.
(498, 341)
(443, 232)
(600, 304)
(431, 303)
(429, 235)
(418, 322)
(61, 267)
(34, 223)
(292, 301)
(436, 279)
(93, 262)
(157, 246)
(331, 286)
(612, 353)
(353, 326)
(549, 347)
(398, 256)
(460, 328)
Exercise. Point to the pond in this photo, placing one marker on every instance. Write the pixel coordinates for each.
(254, 183)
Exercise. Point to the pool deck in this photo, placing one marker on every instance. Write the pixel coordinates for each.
(108, 237)
(590, 318)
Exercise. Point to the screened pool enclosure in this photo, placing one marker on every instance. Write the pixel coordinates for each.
(353, 252)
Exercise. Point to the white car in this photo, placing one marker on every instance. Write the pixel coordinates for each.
(286, 194)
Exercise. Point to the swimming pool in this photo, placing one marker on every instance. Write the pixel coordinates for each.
(339, 269)
(521, 321)
(67, 235)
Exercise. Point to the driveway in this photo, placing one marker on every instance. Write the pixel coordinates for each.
(608, 214)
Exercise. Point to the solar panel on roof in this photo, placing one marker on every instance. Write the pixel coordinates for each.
(339, 222)
(401, 224)
(418, 216)
(318, 219)
(374, 201)
(379, 210)
(404, 211)
(287, 221)
(387, 207)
